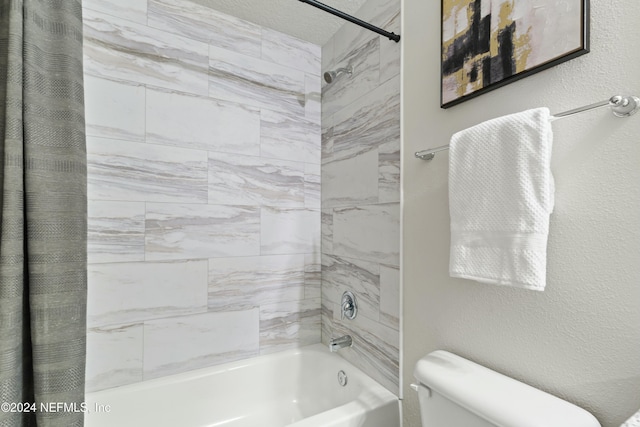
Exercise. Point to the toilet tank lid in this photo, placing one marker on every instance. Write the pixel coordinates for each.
(496, 398)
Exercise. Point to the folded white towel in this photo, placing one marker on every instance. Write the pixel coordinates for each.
(501, 195)
(634, 421)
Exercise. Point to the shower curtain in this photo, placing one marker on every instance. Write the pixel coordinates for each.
(43, 215)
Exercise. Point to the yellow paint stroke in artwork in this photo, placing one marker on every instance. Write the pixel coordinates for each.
(504, 20)
(445, 46)
(452, 6)
(522, 50)
(461, 79)
(506, 9)
(464, 85)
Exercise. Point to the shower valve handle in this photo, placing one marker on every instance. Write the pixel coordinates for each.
(349, 308)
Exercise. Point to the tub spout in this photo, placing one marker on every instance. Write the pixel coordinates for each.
(342, 342)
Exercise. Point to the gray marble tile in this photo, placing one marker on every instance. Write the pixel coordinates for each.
(327, 58)
(351, 181)
(375, 349)
(289, 231)
(377, 12)
(247, 80)
(289, 137)
(283, 49)
(345, 89)
(340, 274)
(369, 122)
(136, 291)
(327, 139)
(115, 231)
(389, 50)
(312, 186)
(132, 10)
(123, 50)
(246, 282)
(313, 98)
(360, 211)
(326, 309)
(375, 346)
(114, 109)
(202, 123)
(285, 325)
(201, 231)
(327, 231)
(369, 232)
(255, 181)
(190, 342)
(390, 296)
(133, 171)
(114, 356)
(350, 38)
(206, 24)
(389, 176)
(312, 276)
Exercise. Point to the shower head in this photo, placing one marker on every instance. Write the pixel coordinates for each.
(330, 76)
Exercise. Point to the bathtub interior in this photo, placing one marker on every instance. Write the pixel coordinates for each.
(297, 388)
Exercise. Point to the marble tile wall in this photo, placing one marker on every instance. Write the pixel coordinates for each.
(204, 150)
(360, 216)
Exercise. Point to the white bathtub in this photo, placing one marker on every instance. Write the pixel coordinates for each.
(294, 388)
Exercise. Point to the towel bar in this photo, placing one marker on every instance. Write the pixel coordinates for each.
(621, 106)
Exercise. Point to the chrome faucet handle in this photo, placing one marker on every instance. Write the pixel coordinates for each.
(346, 306)
(349, 308)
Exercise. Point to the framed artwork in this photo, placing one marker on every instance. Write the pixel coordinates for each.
(487, 44)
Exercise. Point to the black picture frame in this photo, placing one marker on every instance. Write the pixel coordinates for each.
(484, 58)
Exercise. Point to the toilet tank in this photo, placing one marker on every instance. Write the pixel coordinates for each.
(455, 392)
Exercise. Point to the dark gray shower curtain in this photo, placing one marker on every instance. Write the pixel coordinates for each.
(43, 216)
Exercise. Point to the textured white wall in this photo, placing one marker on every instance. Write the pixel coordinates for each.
(580, 338)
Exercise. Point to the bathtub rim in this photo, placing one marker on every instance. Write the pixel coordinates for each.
(231, 366)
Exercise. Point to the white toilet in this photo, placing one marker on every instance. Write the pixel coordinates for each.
(455, 392)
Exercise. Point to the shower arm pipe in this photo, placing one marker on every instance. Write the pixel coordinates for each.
(340, 14)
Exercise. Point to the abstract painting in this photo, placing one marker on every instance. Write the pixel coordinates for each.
(489, 43)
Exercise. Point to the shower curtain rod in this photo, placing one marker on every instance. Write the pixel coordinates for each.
(340, 14)
(621, 106)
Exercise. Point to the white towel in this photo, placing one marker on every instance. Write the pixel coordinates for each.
(501, 195)
(634, 421)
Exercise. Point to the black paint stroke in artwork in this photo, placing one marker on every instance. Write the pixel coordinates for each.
(477, 41)
(506, 52)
